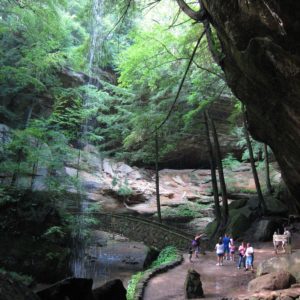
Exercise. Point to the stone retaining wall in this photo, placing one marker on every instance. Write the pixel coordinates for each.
(140, 230)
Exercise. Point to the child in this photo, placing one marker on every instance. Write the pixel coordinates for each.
(232, 249)
(190, 253)
(249, 257)
(220, 251)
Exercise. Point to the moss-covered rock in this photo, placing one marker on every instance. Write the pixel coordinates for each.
(211, 228)
(275, 206)
(238, 224)
(237, 204)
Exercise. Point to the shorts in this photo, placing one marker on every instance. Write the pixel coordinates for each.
(220, 254)
(232, 251)
(249, 260)
(226, 249)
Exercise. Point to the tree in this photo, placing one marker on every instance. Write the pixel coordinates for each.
(253, 167)
(218, 156)
(212, 170)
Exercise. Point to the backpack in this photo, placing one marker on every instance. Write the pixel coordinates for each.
(194, 243)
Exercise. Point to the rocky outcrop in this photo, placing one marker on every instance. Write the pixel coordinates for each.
(70, 288)
(274, 281)
(111, 290)
(261, 59)
(288, 263)
(191, 152)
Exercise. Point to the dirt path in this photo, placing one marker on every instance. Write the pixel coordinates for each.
(217, 281)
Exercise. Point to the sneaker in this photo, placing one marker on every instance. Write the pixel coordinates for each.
(217, 264)
(221, 264)
(239, 268)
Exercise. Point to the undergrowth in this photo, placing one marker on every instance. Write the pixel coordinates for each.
(167, 255)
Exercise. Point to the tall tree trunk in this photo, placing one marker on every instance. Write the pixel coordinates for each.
(157, 177)
(34, 168)
(220, 171)
(212, 170)
(78, 162)
(17, 171)
(267, 168)
(261, 199)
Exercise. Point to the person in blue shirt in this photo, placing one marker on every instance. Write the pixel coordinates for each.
(226, 241)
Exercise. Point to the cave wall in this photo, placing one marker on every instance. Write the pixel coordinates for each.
(261, 59)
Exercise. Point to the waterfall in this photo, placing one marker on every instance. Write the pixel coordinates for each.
(81, 265)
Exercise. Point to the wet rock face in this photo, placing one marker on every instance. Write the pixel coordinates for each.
(261, 59)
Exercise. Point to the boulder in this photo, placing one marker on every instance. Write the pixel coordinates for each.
(10, 289)
(276, 207)
(253, 203)
(238, 204)
(124, 169)
(288, 263)
(70, 288)
(151, 255)
(107, 168)
(211, 228)
(239, 223)
(193, 285)
(273, 281)
(264, 230)
(111, 290)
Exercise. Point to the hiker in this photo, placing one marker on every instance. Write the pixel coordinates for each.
(196, 245)
(191, 250)
(226, 241)
(220, 251)
(241, 252)
(249, 255)
(231, 249)
(288, 235)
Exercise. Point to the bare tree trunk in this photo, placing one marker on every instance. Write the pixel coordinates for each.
(17, 171)
(157, 177)
(34, 169)
(78, 163)
(220, 171)
(212, 170)
(261, 199)
(267, 169)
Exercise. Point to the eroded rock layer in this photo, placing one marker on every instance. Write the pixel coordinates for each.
(261, 59)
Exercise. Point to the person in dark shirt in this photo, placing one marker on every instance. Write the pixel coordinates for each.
(226, 241)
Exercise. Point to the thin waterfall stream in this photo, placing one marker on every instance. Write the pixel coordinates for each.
(102, 256)
(80, 265)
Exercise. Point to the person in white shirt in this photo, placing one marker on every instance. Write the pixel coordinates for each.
(249, 257)
(220, 252)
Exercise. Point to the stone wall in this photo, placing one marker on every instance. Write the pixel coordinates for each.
(141, 230)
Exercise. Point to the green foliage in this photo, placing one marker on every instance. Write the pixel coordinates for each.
(54, 232)
(230, 162)
(190, 210)
(124, 190)
(167, 255)
(132, 284)
(24, 279)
